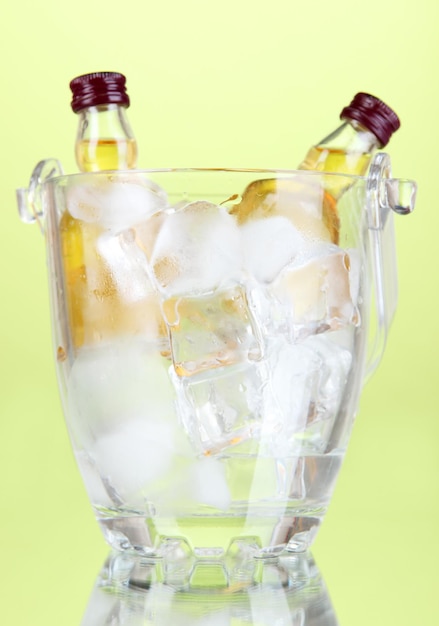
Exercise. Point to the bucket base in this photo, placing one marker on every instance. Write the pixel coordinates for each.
(211, 551)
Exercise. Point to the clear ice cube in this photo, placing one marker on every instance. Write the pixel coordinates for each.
(211, 331)
(224, 407)
(286, 401)
(114, 202)
(127, 265)
(337, 361)
(307, 383)
(318, 290)
(197, 249)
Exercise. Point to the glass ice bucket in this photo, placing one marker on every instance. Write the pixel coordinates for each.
(212, 333)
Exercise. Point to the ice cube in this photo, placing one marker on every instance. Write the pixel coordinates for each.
(134, 456)
(208, 485)
(318, 291)
(198, 248)
(211, 331)
(127, 265)
(296, 371)
(273, 315)
(308, 381)
(223, 408)
(269, 245)
(301, 200)
(115, 296)
(190, 482)
(117, 203)
(148, 230)
(337, 361)
(113, 383)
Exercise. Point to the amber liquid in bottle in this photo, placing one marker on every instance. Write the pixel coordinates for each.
(99, 307)
(88, 280)
(281, 197)
(321, 159)
(106, 154)
(276, 196)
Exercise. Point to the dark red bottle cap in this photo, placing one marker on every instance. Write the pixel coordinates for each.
(374, 115)
(90, 90)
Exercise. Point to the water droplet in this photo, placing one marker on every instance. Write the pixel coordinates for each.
(61, 354)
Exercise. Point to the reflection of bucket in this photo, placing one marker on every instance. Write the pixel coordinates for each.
(129, 591)
(210, 348)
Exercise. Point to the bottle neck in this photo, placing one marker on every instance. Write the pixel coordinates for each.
(351, 138)
(104, 139)
(347, 150)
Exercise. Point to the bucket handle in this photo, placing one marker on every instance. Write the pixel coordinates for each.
(29, 201)
(384, 197)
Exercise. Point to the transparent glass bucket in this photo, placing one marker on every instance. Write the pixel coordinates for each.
(212, 333)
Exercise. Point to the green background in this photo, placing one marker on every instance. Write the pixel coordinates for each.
(237, 84)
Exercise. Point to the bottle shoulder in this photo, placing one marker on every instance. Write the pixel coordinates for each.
(109, 121)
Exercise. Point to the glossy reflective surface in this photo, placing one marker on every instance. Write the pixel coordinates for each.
(130, 592)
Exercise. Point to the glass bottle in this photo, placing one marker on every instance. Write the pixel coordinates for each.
(104, 139)
(368, 124)
(100, 303)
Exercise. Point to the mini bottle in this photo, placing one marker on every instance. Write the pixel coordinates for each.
(368, 124)
(104, 139)
(108, 291)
